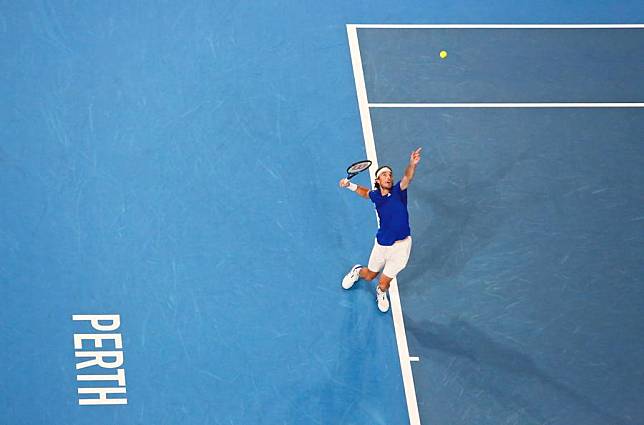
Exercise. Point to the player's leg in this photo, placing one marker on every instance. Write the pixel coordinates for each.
(367, 274)
(397, 258)
(376, 263)
(381, 292)
(384, 282)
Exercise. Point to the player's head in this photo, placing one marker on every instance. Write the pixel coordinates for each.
(384, 177)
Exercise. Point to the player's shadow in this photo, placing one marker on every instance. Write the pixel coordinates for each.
(465, 219)
(502, 372)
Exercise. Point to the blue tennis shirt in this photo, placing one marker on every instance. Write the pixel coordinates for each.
(393, 215)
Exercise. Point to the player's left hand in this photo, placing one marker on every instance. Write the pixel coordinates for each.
(415, 157)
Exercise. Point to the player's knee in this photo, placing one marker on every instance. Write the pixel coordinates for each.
(368, 274)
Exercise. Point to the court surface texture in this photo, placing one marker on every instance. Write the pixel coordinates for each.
(173, 237)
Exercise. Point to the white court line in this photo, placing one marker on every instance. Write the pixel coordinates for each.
(507, 105)
(396, 308)
(367, 130)
(496, 26)
(500, 104)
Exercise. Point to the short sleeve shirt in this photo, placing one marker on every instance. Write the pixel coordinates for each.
(393, 215)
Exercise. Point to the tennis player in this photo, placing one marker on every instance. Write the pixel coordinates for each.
(392, 246)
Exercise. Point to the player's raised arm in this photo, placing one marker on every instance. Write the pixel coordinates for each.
(360, 190)
(414, 159)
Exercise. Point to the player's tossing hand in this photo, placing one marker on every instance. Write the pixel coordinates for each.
(415, 157)
(344, 183)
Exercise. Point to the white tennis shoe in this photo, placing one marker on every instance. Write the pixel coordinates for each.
(351, 277)
(381, 297)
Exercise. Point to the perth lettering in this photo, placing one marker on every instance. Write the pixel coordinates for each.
(99, 354)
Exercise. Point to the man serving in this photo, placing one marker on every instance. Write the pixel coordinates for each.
(392, 246)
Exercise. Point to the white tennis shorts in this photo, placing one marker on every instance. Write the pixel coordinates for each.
(392, 258)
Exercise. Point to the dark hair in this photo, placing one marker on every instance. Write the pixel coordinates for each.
(376, 184)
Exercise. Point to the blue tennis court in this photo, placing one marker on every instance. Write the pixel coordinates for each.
(523, 299)
(173, 237)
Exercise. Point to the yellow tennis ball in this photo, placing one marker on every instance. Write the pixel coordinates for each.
(443, 54)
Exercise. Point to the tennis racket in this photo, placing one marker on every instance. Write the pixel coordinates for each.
(357, 168)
